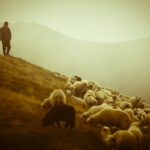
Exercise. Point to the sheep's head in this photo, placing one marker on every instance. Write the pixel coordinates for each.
(105, 131)
(136, 124)
(106, 136)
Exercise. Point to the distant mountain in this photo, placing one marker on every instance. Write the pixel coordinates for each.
(123, 66)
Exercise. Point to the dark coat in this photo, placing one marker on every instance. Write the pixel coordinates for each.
(56, 114)
(5, 34)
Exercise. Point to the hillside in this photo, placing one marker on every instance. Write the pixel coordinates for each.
(23, 86)
(116, 65)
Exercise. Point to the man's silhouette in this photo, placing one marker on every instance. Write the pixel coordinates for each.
(5, 37)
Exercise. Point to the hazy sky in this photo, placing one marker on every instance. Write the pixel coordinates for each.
(93, 20)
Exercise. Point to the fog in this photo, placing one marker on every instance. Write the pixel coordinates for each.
(104, 41)
(123, 66)
(90, 20)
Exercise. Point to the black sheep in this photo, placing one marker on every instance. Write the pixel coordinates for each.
(59, 113)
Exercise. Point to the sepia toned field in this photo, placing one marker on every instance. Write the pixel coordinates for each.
(23, 86)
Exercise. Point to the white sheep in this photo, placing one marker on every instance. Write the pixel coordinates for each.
(99, 95)
(146, 121)
(111, 117)
(89, 98)
(130, 112)
(125, 104)
(108, 100)
(135, 129)
(140, 113)
(120, 140)
(69, 88)
(80, 88)
(91, 85)
(77, 101)
(147, 108)
(94, 109)
(137, 102)
(106, 91)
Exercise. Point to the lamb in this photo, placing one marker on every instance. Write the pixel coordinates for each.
(59, 113)
(111, 117)
(120, 140)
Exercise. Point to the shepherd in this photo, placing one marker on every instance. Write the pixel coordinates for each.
(5, 37)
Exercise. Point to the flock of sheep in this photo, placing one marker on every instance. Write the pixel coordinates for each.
(124, 119)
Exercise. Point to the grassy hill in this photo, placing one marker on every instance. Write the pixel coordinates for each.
(22, 88)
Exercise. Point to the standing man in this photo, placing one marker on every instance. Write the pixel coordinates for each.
(5, 38)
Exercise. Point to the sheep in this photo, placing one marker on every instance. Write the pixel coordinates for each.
(140, 113)
(135, 129)
(147, 108)
(120, 140)
(111, 117)
(69, 88)
(94, 109)
(106, 91)
(57, 97)
(56, 114)
(108, 100)
(137, 102)
(89, 98)
(125, 104)
(78, 78)
(146, 121)
(114, 92)
(76, 101)
(80, 88)
(91, 85)
(99, 95)
(130, 112)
